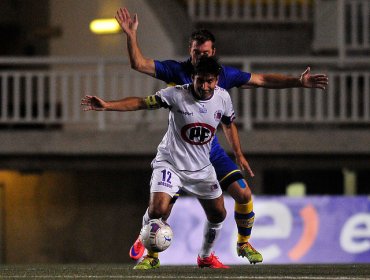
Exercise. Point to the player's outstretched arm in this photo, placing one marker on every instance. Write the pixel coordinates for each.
(94, 103)
(232, 136)
(278, 81)
(129, 26)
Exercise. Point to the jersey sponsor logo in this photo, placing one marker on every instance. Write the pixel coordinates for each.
(218, 115)
(185, 113)
(197, 133)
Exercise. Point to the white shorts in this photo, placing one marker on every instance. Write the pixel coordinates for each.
(202, 184)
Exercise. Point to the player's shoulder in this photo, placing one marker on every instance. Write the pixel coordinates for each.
(228, 68)
(182, 88)
(173, 63)
(179, 87)
(177, 91)
(222, 95)
(230, 71)
(167, 61)
(221, 91)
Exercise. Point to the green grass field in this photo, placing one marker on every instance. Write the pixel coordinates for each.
(125, 271)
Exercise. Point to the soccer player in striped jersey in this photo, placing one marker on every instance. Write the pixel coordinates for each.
(202, 43)
(182, 161)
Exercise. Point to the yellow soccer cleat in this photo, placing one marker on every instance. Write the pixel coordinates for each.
(148, 263)
(247, 250)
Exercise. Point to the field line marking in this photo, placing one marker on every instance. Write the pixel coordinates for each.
(265, 277)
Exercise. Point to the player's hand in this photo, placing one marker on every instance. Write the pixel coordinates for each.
(313, 81)
(244, 165)
(128, 25)
(93, 103)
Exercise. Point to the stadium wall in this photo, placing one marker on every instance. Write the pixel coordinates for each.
(74, 17)
(75, 217)
(93, 217)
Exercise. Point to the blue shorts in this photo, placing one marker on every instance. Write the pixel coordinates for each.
(227, 171)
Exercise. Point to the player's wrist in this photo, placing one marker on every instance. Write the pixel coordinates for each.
(300, 81)
(131, 37)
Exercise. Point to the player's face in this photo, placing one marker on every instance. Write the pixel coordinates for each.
(204, 85)
(198, 50)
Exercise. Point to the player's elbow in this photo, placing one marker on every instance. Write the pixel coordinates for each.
(136, 63)
(139, 68)
(256, 81)
(145, 66)
(141, 65)
(135, 66)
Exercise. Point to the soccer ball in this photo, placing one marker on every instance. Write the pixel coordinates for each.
(156, 235)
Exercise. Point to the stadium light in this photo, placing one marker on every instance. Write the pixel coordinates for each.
(104, 26)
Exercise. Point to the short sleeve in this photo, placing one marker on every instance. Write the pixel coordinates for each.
(229, 114)
(166, 97)
(164, 70)
(173, 72)
(233, 77)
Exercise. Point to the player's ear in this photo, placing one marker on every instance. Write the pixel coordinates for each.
(190, 47)
(213, 51)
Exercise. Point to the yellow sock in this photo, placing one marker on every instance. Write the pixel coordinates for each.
(244, 218)
(152, 254)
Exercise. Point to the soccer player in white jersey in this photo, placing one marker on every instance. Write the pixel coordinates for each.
(202, 43)
(182, 161)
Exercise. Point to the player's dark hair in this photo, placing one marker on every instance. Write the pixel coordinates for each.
(201, 36)
(207, 65)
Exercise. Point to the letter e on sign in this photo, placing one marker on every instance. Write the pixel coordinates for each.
(355, 234)
(279, 228)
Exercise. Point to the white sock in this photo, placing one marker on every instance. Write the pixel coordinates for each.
(211, 232)
(146, 218)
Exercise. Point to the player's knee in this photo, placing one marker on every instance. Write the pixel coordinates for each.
(245, 196)
(168, 212)
(158, 211)
(217, 216)
(240, 191)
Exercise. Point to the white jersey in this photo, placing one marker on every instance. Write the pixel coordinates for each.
(192, 126)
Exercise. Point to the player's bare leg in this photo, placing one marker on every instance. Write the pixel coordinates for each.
(244, 218)
(158, 207)
(137, 249)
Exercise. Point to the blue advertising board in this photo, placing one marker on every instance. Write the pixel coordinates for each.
(312, 229)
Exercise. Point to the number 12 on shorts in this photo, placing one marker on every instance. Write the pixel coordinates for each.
(166, 176)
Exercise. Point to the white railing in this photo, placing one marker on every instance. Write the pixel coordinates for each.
(351, 27)
(345, 102)
(357, 24)
(50, 90)
(251, 11)
(354, 26)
